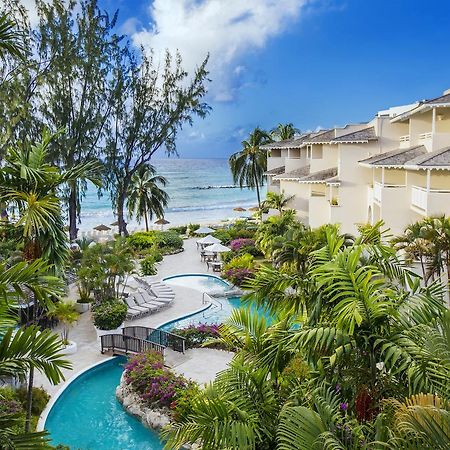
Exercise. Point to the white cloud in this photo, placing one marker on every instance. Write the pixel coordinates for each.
(227, 29)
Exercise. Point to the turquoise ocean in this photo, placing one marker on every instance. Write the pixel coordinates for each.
(200, 190)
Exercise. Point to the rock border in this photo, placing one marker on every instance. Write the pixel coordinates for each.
(155, 419)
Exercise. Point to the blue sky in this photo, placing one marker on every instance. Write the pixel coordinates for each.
(314, 63)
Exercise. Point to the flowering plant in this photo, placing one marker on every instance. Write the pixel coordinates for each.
(237, 244)
(196, 335)
(158, 386)
(238, 275)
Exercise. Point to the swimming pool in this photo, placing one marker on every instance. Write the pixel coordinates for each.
(87, 415)
(215, 313)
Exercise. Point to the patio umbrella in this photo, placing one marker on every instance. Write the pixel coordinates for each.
(217, 248)
(239, 209)
(208, 240)
(115, 224)
(204, 230)
(102, 227)
(162, 222)
(254, 208)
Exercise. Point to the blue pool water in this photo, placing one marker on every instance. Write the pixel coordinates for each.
(87, 415)
(214, 314)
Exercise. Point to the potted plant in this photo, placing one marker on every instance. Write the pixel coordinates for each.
(66, 314)
(108, 316)
(84, 299)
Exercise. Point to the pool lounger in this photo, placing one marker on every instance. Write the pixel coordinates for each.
(144, 300)
(149, 299)
(131, 302)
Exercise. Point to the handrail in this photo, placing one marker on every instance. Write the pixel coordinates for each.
(128, 344)
(212, 300)
(158, 336)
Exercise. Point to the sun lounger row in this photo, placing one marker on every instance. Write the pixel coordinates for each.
(143, 300)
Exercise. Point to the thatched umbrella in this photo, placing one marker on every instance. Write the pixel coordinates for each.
(162, 222)
(115, 224)
(239, 209)
(254, 208)
(102, 227)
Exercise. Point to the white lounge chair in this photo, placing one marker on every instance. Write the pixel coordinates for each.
(134, 306)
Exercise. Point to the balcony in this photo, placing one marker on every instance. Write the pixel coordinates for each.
(431, 202)
(380, 191)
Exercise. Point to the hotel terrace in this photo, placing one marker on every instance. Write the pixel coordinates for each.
(395, 167)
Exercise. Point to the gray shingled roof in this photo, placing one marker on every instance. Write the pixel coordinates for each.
(321, 176)
(294, 174)
(439, 159)
(441, 99)
(303, 175)
(295, 142)
(396, 157)
(365, 135)
(276, 171)
(323, 137)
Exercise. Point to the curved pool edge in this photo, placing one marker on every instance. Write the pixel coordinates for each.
(44, 415)
(193, 313)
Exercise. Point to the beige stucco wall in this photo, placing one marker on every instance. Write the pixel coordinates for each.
(329, 157)
(300, 202)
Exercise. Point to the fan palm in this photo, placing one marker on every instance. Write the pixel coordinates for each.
(145, 196)
(10, 38)
(249, 164)
(284, 131)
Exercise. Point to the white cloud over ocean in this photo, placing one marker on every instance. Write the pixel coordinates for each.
(226, 29)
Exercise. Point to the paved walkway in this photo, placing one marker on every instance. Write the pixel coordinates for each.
(198, 364)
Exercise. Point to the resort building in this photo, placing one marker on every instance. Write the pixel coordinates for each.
(395, 168)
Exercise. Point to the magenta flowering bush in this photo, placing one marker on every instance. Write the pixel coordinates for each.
(237, 244)
(198, 334)
(238, 275)
(158, 386)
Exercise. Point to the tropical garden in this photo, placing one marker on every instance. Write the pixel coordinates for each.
(353, 353)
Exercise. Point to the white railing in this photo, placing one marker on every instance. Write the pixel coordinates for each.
(404, 138)
(423, 136)
(419, 197)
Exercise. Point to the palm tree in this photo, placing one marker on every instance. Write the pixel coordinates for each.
(27, 348)
(284, 131)
(145, 196)
(249, 164)
(29, 185)
(276, 201)
(66, 314)
(10, 38)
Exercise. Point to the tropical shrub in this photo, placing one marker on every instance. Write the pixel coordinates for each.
(148, 265)
(109, 315)
(165, 241)
(180, 230)
(159, 387)
(237, 244)
(197, 335)
(238, 275)
(244, 261)
(104, 268)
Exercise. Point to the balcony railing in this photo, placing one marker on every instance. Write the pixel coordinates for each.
(404, 138)
(378, 189)
(423, 136)
(431, 201)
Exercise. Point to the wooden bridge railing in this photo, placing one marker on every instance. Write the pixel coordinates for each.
(128, 344)
(157, 336)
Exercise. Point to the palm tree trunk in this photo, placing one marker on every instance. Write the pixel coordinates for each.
(73, 230)
(121, 214)
(29, 400)
(146, 219)
(256, 183)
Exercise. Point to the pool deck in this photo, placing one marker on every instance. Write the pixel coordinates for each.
(200, 365)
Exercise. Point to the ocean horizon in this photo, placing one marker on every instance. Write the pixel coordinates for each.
(201, 191)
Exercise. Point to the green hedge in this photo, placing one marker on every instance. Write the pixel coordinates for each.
(148, 266)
